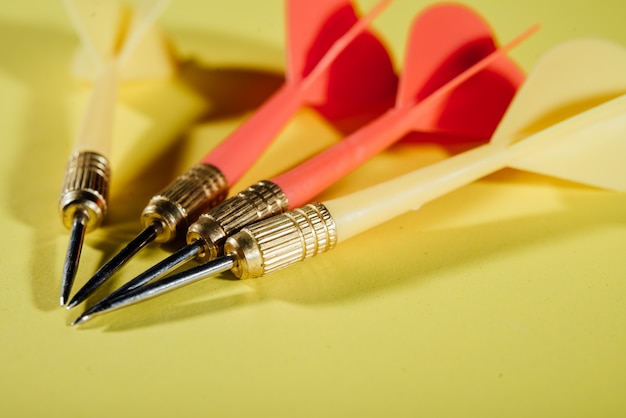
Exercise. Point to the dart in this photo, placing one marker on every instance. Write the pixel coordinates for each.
(83, 201)
(329, 46)
(422, 76)
(568, 120)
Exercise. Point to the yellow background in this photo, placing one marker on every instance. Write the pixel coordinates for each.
(506, 298)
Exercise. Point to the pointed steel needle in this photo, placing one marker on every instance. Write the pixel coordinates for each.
(116, 262)
(184, 254)
(166, 284)
(72, 257)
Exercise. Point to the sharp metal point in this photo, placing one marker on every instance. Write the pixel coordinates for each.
(81, 319)
(181, 256)
(72, 257)
(156, 288)
(115, 263)
(89, 313)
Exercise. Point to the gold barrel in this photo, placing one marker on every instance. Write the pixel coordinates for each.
(281, 241)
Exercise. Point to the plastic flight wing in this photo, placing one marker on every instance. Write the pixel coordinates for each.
(338, 93)
(83, 202)
(329, 42)
(554, 95)
(445, 40)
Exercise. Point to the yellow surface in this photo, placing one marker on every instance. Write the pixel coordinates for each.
(505, 298)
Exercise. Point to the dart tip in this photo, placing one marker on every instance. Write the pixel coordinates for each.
(72, 256)
(105, 272)
(70, 305)
(81, 319)
(66, 287)
(69, 272)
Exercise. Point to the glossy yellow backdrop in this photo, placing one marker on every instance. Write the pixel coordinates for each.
(506, 298)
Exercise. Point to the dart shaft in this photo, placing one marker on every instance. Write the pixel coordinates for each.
(96, 127)
(367, 208)
(234, 155)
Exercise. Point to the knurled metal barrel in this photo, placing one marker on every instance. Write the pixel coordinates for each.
(259, 201)
(280, 241)
(175, 207)
(85, 189)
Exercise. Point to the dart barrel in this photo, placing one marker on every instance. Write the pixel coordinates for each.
(259, 201)
(278, 242)
(182, 201)
(85, 189)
